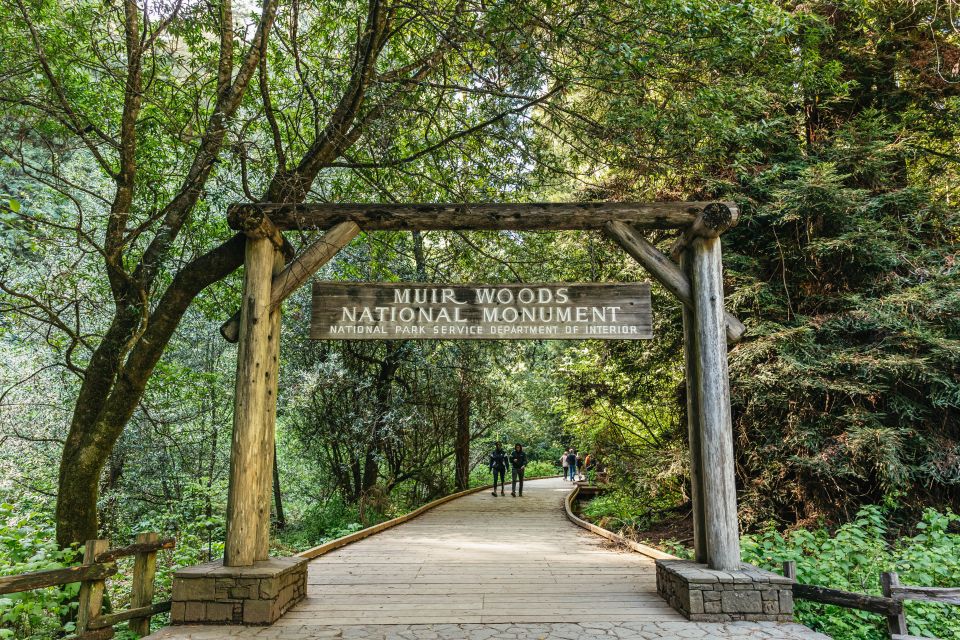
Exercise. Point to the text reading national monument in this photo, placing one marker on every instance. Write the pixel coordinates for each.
(377, 311)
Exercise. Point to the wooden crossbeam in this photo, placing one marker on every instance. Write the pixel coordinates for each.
(54, 577)
(712, 221)
(665, 271)
(298, 271)
(550, 216)
(145, 546)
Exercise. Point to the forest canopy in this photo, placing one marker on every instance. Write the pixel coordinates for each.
(127, 129)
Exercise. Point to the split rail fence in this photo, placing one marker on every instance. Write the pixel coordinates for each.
(889, 605)
(99, 563)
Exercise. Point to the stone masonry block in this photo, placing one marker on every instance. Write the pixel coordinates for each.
(696, 601)
(269, 588)
(258, 612)
(239, 593)
(786, 602)
(705, 595)
(255, 595)
(219, 612)
(193, 589)
(741, 602)
(195, 611)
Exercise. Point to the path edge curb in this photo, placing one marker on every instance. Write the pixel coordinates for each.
(332, 545)
(650, 552)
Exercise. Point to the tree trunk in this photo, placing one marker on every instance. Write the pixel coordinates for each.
(462, 445)
(112, 389)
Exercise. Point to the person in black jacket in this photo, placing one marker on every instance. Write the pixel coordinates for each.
(498, 464)
(518, 462)
(572, 464)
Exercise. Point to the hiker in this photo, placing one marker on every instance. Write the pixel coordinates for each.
(518, 462)
(580, 463)
(498, 464)
(563, 463)
(572, 464)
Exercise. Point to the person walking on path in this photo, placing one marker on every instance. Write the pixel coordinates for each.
(498, 464)
(580, 463)
(563, 463)
(572, 464)
(518, 462)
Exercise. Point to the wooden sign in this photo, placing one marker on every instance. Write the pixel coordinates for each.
(404, 311)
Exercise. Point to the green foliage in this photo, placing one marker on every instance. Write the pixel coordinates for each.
(833, 124)
(852, 558)
(27, 544)
(324, 522)
(852, 370)
(618, 510)
(537, 468)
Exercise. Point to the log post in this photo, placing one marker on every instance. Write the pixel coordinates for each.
(790, 570)
(713, 220)
(691, 364)
(91, 591)
(144, 571)
(896, 623)
(247, 506)
(713, 397)
(268, 445)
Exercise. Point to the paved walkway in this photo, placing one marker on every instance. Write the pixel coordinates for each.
(483, 567)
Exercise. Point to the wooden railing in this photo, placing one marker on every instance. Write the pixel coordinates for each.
(99, 563)
(889, 605)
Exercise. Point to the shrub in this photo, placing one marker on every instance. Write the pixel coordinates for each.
(27, 543)
(536, 468)
(852, 559)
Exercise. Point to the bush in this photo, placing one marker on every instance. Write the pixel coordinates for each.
(536, 468)
(323, 522)
(852, 559)
(618, 511)
(27, 543)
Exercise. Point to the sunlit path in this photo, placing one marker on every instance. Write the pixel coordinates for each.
(487, 567)
(484, 559)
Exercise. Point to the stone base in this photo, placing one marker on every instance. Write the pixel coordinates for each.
(211, 593)
(706, 595)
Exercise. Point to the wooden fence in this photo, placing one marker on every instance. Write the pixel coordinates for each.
(99, 563)
(889, 605)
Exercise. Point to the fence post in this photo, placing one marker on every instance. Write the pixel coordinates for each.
(91, 591)
(144, 570)
(790, 570)
(896, 624)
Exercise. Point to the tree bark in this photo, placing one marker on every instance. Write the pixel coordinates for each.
(462, 445)
(121, 365)
(112, 388)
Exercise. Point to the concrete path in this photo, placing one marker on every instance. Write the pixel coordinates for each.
(484, 567)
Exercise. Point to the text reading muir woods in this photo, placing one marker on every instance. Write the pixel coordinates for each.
(560, 311)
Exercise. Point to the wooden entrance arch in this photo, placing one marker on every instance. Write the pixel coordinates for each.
(694, 275)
